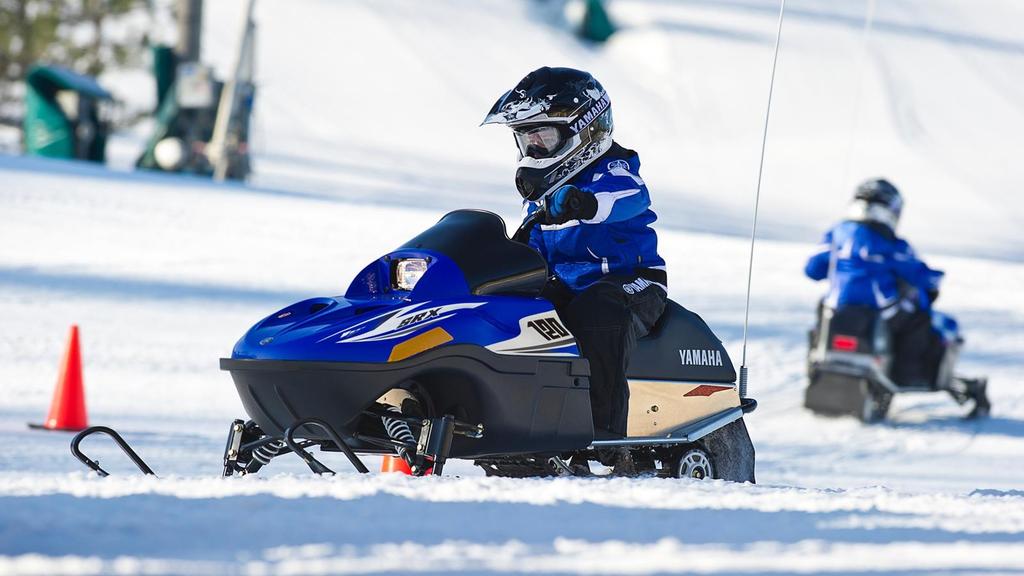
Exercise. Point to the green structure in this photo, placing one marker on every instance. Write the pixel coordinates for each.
(187, 105)
(165, 63)
(63, 116)
(597, 26)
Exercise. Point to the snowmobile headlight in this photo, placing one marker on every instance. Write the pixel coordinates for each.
(408, 272)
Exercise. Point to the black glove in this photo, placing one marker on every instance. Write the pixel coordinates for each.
(933, 295)
(556, 292)
(569, 203)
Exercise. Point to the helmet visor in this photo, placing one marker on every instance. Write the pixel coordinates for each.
(539, 141)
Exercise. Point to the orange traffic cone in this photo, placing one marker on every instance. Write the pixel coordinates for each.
(67, 411)
(395, 464)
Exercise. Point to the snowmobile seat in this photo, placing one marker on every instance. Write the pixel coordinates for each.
(477, 242)
(681, 347)
(852, 328)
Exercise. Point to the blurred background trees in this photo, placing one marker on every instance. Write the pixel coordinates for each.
(87, 36)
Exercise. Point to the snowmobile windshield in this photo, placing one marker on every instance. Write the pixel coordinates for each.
(539, 142)
(477, 242)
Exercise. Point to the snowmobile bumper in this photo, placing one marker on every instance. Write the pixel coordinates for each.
(527, 404)
(837, 394)
(683, 435)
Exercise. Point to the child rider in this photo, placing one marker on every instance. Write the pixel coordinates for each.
(609, 283)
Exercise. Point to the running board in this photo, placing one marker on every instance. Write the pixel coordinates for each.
(683, 435)
(868, 373)
(873, 375)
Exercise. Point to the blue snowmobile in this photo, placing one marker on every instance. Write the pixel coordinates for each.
(444, 348)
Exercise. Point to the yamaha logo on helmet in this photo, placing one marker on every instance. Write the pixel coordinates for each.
(589, 116)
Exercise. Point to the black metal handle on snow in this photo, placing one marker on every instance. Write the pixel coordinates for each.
(94, 464)
(315, 465)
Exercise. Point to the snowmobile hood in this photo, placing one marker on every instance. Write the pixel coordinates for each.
(390, 330)
(472, 281)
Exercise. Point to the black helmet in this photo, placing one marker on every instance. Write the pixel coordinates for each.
(878, 200)
(562, 121)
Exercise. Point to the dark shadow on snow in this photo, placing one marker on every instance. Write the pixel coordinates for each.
(993, 425)
(223, 528)
(713, 32)
(993, 492)
(128, 289)
(188, 182)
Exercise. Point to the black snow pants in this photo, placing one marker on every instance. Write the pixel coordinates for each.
(607, 318)
(917, 348)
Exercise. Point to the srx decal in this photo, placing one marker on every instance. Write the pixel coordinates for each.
(397, 323)
(550, 328)
(432, 313)
(700, 357)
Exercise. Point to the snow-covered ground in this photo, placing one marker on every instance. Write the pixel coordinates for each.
(164, 273)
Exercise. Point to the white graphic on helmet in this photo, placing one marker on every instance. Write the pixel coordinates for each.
(580, 160)
(524, 108)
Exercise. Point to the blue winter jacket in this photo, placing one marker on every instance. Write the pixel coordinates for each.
(870, 261)
(618, 239)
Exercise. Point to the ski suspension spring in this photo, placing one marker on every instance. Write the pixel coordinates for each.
(264, 454)
(398, 429)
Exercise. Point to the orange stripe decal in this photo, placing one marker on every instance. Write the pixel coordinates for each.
(705, 390)
(416, 344)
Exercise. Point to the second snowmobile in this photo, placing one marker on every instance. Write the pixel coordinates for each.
(849, 364)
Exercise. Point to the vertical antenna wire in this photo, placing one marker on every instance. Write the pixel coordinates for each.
(865, 35)
(757, 199)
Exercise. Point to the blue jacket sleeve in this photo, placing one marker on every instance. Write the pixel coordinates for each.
(817, 264)
(905, 264)
(620, 192)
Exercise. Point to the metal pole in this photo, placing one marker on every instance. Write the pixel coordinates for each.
(225, 110)
(190, 29)
(757, 199)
